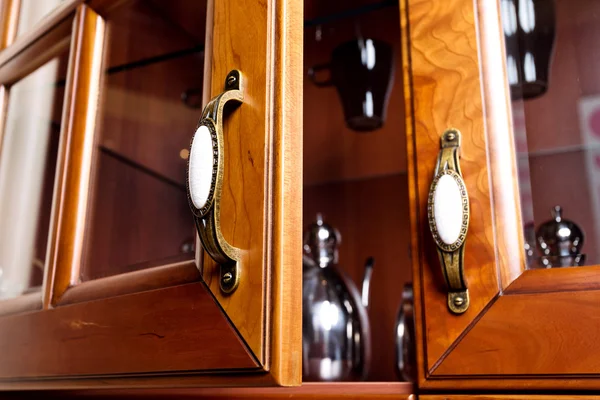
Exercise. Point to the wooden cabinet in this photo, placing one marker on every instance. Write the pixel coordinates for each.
(525, 328)
(105, 284)
(125, 298)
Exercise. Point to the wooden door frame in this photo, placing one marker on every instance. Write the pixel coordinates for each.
(525, 329)
(71, 338)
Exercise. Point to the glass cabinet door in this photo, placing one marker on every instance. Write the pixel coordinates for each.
(97, 195)
(502, 110)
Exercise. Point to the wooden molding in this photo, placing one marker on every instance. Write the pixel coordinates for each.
(286, 253)
(74, 163)
(508, 397)
(9, 17)
(132, 282)
(321, 390)
(23, 303)
(144, 333)
(526, 329)
(42, 28)
(39, 52)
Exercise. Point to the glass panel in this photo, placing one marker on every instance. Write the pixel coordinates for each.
(33, 11)
(27, 172)
(139, 215)
(552, 62)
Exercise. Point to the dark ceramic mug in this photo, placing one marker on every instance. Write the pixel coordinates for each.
(362, 71)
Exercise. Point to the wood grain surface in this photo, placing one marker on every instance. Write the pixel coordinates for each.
(147, 332)
(445, 91)
(540, 333)
(43, 28)
(244, 217)
(9, 16)
(346, 391)
(285, 339)
(509, 397)
(146, 278)
(53, 44)
(531, 335)
(260, 205)
(75, 156)
(556, 280)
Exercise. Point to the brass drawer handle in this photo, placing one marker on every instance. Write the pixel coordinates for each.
(448, 215)
(205, 182)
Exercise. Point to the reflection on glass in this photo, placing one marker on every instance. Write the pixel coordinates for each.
(139, 215)
(557, 134)
(27, 170)
(32, 11)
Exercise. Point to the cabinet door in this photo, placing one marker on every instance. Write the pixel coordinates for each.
(127, 299)
(523, 326)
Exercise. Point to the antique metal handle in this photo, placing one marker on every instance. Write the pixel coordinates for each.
(205, 182)
(448, 215)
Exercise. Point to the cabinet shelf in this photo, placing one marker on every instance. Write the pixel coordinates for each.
(338, 390)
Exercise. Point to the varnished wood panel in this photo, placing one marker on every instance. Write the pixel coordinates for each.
(445, 91)
(346, 391)
(332, 151)
(556, 280)
(372, 217)
(531, 335)
(55, 42)
(67, 222)
(153, 331)
(509, 397)
(260, 205)
(45, 26)
(24, 303)
(9, 15)
(175, 273)
(246, 146)
(285, 338)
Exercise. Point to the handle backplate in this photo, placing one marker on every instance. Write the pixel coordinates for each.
(448, 215)
(205, 182)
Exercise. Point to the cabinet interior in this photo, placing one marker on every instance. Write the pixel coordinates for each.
(139, 212)
(138, 215)
(557, 133)
(358, 180)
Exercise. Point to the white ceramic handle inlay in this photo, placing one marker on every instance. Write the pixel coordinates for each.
(201, 164)
(447, 209)
(206, 163)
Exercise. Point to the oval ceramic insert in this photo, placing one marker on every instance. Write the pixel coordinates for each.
(447, 209)
(200, 172)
